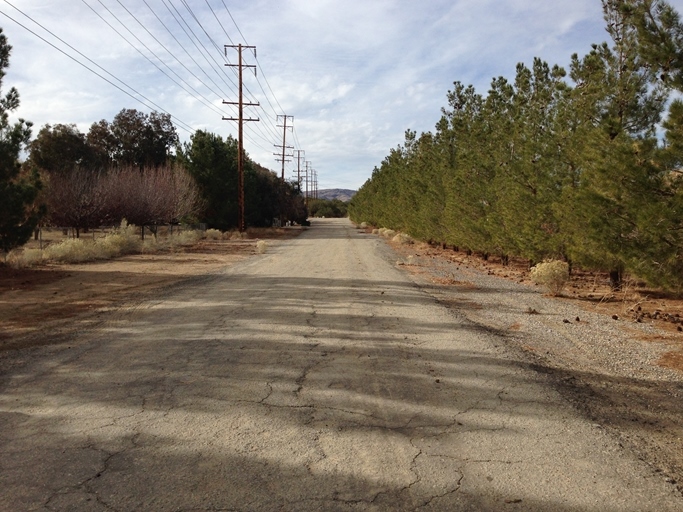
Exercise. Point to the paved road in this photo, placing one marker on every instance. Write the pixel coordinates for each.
(314, 377)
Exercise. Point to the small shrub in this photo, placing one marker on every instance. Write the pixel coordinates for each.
(186, 238)
(389, 233)
(122, 240)
(375, 231)
(24, 258)
(31, 257)
(402, 239)
(364, 225)
(213, 234)
(71, 250)
(261, 246)
(552, 274)
(236, 235)
(153, 244)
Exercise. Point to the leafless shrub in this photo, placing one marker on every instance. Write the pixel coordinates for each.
(150, 197)
(76, 199)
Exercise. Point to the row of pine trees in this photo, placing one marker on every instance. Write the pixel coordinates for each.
(584, 166)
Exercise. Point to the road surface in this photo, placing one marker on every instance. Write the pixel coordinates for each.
(317, 376)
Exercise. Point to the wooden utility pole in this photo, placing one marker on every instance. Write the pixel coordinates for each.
(315, 184)
(308, 168)
(240, 123)
(298, 167)
(284, 145)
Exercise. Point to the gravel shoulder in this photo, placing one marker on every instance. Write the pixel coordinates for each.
(615, 371)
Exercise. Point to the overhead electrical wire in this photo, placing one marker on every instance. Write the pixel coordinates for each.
(182, 124)
(197, 94)
(209, 53)
(258, 127)
(265, 131)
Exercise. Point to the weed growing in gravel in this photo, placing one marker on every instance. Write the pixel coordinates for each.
(552, 274)
(261, 246)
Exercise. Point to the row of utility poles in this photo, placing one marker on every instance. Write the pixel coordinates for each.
(309, 187)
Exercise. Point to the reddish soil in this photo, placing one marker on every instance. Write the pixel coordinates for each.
(591, 290)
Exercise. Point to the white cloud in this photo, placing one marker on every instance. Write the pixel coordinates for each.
(354, 74)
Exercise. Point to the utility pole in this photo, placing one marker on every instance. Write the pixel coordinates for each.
(308, 168)
(298, 167)
(315, 184)
(240, 123)
(284, 145)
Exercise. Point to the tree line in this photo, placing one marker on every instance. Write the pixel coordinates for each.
(132, 168)
(583, 166)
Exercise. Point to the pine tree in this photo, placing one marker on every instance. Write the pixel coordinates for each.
(619, 105)
(18, 215)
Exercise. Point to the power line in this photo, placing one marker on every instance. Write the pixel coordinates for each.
(198, 96)
(186, 126)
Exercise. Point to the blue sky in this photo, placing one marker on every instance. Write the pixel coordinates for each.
(355, 74)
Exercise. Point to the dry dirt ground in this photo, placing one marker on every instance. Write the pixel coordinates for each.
(623, 367)
(37, 304)
(635, 303)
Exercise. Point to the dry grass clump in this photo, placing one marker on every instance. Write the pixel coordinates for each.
(403, 239)
(213, 234)
(363, 225)
(236, 235)
(261, 246)
(184, 238)
(387, 233)
(375, 231)
(552, 274)
(122, 240)
(72, 250)
(24, 258)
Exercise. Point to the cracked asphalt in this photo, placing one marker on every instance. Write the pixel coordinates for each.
(318, 376)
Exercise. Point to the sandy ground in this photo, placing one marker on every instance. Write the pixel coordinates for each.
(325, 374)
(55, 297)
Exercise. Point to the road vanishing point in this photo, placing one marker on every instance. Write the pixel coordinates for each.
(317, 376)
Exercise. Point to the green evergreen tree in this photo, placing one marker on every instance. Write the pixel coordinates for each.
(620, 105)
(18, 214)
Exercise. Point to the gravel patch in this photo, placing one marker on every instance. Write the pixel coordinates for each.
(604, 366)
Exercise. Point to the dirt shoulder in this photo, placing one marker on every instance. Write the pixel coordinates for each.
(38, 304)
(618, 357)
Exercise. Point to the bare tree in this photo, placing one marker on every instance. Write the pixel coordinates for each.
(76, 199)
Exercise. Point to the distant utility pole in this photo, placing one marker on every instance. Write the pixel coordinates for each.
(315, 184)
(284, 145)
(298, 167)
(308, 170)
(240, 123)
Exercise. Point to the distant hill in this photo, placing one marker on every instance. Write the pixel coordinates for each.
(336, 193)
